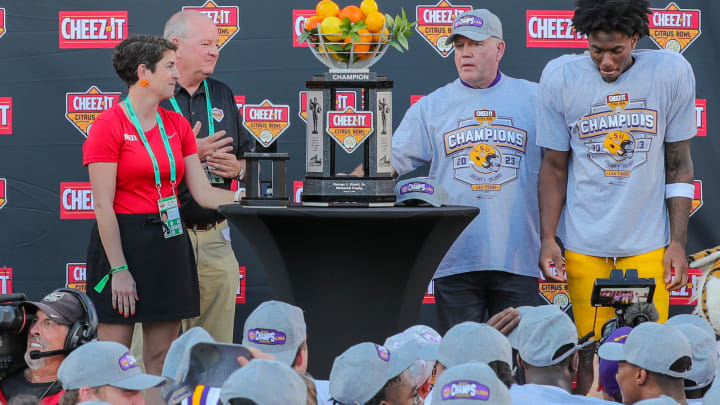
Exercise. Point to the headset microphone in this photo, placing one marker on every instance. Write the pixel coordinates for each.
(36, 354)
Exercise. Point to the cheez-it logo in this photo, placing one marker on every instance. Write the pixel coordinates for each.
(76, 276)
(674, 28)
(2, 22)
(76, 201)
(6, 278)
(552, 29)
(6, 115)
(92, 29)
(3, 192)
(82, 108)
(299, 17)
(225, 18)
(434, 24)
(701, 116)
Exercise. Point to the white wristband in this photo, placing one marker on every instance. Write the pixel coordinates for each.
(239, 194)
(679, 190)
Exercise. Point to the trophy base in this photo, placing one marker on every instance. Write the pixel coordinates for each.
(265, 202)
(349, 192)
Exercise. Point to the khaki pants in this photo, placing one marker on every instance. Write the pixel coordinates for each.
(218, 275)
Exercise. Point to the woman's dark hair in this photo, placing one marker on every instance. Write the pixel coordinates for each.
(627, 16)
(139, 50)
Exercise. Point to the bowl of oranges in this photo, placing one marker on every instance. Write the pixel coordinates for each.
(353, 37)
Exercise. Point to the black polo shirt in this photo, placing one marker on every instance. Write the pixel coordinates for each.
(194, 108)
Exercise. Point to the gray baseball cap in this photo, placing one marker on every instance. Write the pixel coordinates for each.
(472, 341)
(543, 331)
(276, 328)
(704, 356)
(265, 382)
(652, 346)
(95, 364)
(469, 383)
(361, 371)
(420, 189)
(478, 25)
(177, 359)
(687, 319)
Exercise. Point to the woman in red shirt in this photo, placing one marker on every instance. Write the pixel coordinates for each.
(140, 262)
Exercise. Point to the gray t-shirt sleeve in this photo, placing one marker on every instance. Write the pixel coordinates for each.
(681, 119)
(411, 145)
(552, 131)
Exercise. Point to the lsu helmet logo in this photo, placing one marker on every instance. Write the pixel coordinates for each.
(620, 145)
(485, 158)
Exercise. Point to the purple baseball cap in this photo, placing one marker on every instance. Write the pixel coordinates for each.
(608, 368)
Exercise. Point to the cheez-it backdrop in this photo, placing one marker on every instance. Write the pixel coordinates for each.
(56, 76)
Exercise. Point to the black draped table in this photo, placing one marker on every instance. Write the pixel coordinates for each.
(358, 273)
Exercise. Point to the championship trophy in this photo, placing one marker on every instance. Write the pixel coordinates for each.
(348, 42)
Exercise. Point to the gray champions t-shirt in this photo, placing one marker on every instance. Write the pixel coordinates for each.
(615, 204)
(481, 147)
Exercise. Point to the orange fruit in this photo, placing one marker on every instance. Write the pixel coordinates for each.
(368, 6)
(361, 47)
(352, 12)
(312, 22)
(327, 8)
(375, 21)
(376, 37)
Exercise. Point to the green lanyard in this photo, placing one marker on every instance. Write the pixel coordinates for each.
(164, 137)
(211, 124)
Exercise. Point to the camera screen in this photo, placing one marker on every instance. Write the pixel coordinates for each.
(610, 296)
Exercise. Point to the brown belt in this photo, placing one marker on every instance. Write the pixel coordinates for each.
(205, 227)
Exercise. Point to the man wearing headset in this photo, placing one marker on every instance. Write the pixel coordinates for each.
(61, 324)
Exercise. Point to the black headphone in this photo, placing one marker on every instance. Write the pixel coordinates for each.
(83, 330)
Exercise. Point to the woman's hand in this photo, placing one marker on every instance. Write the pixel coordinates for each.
(124, 293)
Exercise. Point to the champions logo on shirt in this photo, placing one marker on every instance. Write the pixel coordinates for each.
(465, 389)
(240, 293)
(701, 116)
(76, 201)
(266, 121)
(81, 109)
(685, 295)
(618, 134)
(2, 22)
(6, 115)
(486, 150)
(343, 100)
(92, 29)
(434, 24)
(552, 29)
(350, 128)
(3, 192)
(76, 276)
(674, 28)
(224, 17)
(299, 17)
(6, 280)
(267, 337)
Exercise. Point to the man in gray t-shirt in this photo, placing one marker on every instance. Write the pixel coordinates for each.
(616, 177)
(477, 133)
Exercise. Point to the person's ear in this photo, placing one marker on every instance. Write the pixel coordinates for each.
(86, 394)
(574, 365)
(641, 376)
(634, 40)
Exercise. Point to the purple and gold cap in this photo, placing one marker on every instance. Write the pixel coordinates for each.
(276, 328)
(473, 383)
(477, 25)
(95, 364)
(419, 190)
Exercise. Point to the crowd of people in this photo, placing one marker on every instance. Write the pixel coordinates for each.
(525, 355)
(560, 159)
